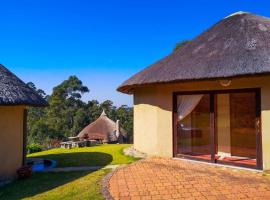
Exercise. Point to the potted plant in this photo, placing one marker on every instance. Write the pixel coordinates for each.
(24, 172)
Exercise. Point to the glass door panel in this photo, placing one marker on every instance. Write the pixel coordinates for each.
(236, 128)
(193, 126)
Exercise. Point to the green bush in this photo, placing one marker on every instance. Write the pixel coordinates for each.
(32, 148)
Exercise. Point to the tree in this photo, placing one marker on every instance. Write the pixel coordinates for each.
(125, 116)
(109, 108)
(94, 110)
(71, 88)
(34, 118)
(39, 91)
(64, 103)
(81, 119)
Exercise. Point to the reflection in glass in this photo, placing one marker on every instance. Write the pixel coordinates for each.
(193, 126)
(236, 130)
(234, 127)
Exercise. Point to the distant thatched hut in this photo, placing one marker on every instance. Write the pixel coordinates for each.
(105, 130)
(15, 95)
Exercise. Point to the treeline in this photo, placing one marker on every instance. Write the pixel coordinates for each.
(67, 114)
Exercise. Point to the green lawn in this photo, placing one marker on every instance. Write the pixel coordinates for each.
(68, 185)
(88, 156)
(56, 186)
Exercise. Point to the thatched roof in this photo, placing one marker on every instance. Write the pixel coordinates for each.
(238, 45)
(14, 91)
(103, 129)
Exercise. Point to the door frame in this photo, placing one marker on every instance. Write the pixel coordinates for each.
(213, 131)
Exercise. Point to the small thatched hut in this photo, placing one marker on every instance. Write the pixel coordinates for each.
(210, 99)
(104, 129)
(15, 95)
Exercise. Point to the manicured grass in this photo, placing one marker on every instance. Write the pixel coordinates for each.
(68, 185)
(87, 156)
(56, 186)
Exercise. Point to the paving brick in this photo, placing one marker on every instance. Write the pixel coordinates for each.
(163, 178)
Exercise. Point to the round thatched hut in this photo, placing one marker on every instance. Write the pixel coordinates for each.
(15, 95)
(105, 130)
(209, 99)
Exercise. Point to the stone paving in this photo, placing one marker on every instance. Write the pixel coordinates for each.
(162, 178)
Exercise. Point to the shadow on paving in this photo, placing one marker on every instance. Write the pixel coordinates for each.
(76, 159)
(42, 182)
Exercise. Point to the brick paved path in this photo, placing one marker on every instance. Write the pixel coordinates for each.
(161, 178)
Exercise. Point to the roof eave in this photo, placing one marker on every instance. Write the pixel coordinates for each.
(25, 104)
(129, 89)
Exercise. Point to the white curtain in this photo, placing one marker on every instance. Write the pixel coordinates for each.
(186, 104)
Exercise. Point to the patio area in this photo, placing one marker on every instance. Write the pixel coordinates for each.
(162, 178)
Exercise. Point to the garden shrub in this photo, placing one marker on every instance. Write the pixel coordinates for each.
(34, 147)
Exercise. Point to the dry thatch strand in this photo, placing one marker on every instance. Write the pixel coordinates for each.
(238, 45)
(14, 91)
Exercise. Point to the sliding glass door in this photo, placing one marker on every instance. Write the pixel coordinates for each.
(221, 127)
(236, 128)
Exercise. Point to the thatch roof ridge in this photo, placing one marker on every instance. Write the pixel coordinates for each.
(13, 91)
(238, 45)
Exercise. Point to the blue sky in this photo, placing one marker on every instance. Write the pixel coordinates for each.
(102, 42)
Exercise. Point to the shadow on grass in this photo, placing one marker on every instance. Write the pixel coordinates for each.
(76, 159)
(37, 184)
(45, 181)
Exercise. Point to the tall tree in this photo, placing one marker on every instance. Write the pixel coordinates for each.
(94, 110)
(125, 116)
(64, 103)
(35, 118)
(109, 108)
